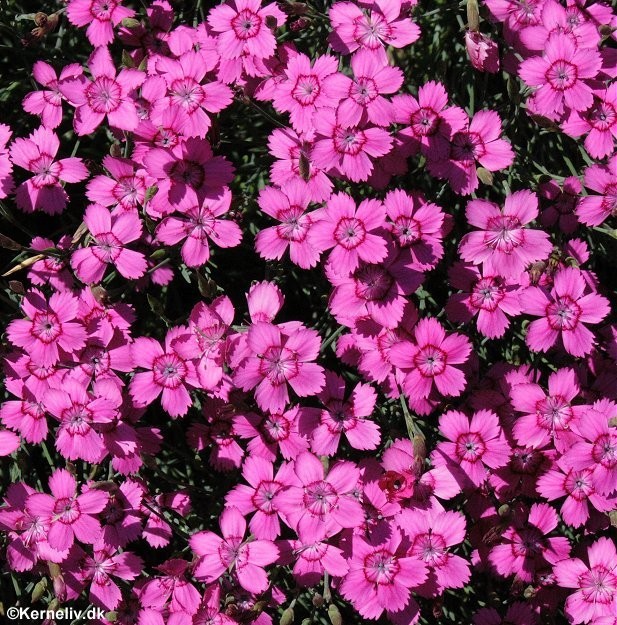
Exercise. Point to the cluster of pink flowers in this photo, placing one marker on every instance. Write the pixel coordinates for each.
(524, 456)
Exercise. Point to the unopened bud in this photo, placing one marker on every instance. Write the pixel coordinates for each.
(334, 615)
(473, 15)
(287, 618)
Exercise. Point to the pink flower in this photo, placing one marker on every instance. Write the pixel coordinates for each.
(380, 577)
(6, 167)
(125, 189)
(429, 122)
(296, 163)
(243, 30)
(50, 330)
(362, 98)
(375, 290)
(246, 559)
(346, 416)
(99, 16)
(317, 501)
(524, 549)
(431, 535)
(353, 232)
(52, 270)
(102, 567)
(168, 372)
(592, 210)
(280, 357)
(599, 121)
(380, 26)
(110, 234)
(478, 142)
(106, 95)
(416, 225)
(260, 496)
(503, 245)
(491, 298)
(595, 584)
(596, 447)
(48, 102)
(579, 490)
(26, 415)
(430, 360)
(475, 444)
(187, 174)
(563, 310)
(347, 149)
(483, 52)
(69, 516)
(200, 224)
(9, 442)
(559, 76)
(184, 78)
(78, 411)
(288, 206)
(548, 417)
(44, 190)
(305, 89)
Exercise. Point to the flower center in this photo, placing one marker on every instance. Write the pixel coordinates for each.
(246, 25)
(562, 75)
(470, 447)
(373, 282)
(46, 327)
(104, 95)
(563, 314)
(430, 361)
(350, 233)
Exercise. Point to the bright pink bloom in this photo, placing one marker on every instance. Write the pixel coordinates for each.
(305, 88)
(243, 30)
(480, 142)
(431, 359)
(9, 442)
(346, 149)
(246, 558)
(559, 76)
(353, 231)
(592, 210)
(168, 372)
(125, 189)
(44, 190)
(200, 225)
(344, 415)
(68, 515)
(280, 357)
(491, 298)
(50, 330)
(596, 447)
(106, 95)
(52, 270)
(524, 549)
(599, 121)
(110, 234)
(102, 567)
(362, 98)
(122, 518)
(416, 225)
(100, 16)
(288, 206)
(547, 417)
(296, 163)
(260, 496)
(6, 167)
(380, 578)
(48, 102)
(431, 535)
(184, 78)
(380, 26)
(317, 500)
(475, 445)
(503, 245)
(563, 312)
(25, 415)
(78, 412)
(579, 490)
(483, 52)
(429, 122)
(595, 584)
